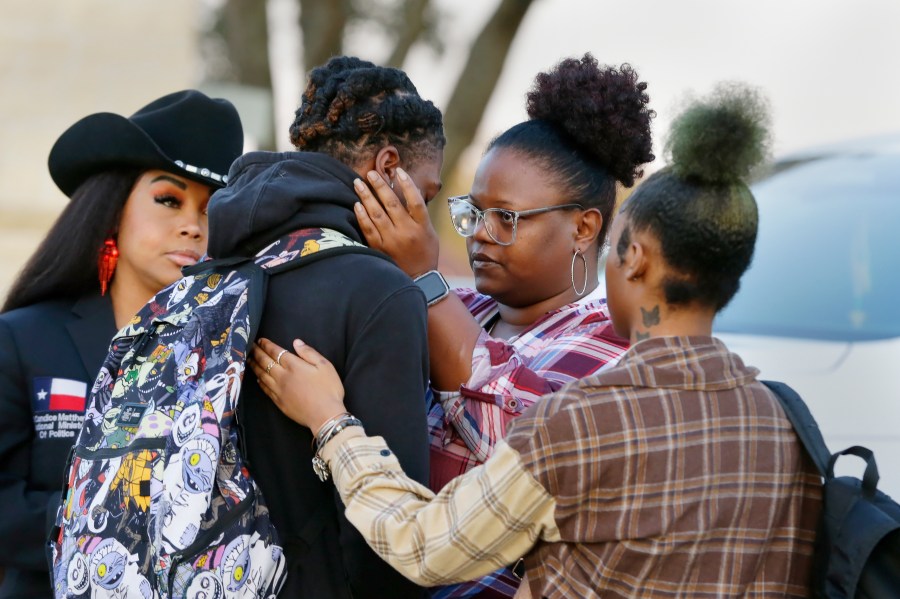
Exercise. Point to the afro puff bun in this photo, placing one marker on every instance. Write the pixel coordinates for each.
(721, 138)
(603, 110)
(700, 207)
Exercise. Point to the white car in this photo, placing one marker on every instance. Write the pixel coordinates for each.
(819, 308)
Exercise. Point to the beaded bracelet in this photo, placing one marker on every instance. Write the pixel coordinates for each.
(320, 467)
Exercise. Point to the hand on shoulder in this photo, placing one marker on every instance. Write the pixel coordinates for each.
(305, 386)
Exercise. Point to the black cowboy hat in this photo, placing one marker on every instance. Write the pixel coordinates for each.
(186, 133)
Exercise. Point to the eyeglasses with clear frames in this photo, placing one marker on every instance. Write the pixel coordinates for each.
(501, 224)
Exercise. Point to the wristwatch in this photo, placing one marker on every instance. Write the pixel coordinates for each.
(434, 285)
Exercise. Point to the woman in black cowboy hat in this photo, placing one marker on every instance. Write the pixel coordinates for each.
(139, 188)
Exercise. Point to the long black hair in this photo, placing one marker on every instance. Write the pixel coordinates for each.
(589, 127)
(351, 108)
(65, 263)
(700, 207)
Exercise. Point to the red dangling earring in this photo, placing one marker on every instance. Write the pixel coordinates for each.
(106, 264)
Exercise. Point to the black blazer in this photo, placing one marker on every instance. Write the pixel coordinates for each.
(63, 341)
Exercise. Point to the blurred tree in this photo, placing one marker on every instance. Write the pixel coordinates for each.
(476, 82)
(415, 22)
(245, 29)
(322, 24)
(237, 48)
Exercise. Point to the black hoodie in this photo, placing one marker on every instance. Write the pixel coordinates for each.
(360, 312)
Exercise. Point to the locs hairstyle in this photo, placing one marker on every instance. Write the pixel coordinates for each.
(588, 127)
(65, 263)
(700, 207)
(351, 108)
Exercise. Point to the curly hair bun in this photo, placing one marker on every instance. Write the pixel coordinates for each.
(721, 138)
(603, 110)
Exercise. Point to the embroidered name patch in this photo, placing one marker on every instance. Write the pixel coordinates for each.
(58, 406)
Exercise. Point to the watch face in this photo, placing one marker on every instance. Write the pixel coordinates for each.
(433, 286)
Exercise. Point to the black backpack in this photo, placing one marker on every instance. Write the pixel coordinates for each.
(858, 541)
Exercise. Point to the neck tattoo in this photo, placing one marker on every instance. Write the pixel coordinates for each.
(650, 317)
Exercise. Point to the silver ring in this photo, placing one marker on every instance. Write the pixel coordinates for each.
(269, 367)
(278, 359)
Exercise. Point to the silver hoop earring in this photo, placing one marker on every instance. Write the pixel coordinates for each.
(579, 254)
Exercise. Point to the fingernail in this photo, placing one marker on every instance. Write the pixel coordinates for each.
(298, 343)
(372, 176)
(358, 206)
(358, 184)
(402, 174)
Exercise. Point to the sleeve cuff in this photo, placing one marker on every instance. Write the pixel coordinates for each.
(351, 432)
(351, 453)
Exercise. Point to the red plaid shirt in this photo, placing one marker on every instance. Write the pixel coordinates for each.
(564, 345)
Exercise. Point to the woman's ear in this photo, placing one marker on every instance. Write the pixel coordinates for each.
(589, 224)
(386, 162)
(635, 261)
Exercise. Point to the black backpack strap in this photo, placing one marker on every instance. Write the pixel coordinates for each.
(256, 296)
(219, 264)
(804, 424)
(257, 275)
(327, 253)
(258, 285)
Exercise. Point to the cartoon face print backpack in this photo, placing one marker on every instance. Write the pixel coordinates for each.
(158, 501)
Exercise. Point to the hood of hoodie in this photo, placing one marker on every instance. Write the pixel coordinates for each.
(270, 194)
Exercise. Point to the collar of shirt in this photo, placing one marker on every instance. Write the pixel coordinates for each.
(697, 362)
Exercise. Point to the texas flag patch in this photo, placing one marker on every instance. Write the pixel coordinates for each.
(52, 394)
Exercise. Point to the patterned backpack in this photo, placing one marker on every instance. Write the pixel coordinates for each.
(158, 501)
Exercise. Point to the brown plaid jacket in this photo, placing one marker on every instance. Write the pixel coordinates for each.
(675, 473)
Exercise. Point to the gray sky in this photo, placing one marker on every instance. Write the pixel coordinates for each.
(831, 68)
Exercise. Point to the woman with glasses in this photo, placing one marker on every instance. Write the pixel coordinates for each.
(535, 221)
